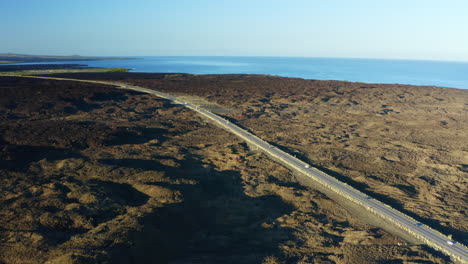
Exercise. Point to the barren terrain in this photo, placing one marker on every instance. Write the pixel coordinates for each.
(406, 145)
(91, 174)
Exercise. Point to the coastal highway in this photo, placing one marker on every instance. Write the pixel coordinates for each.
(419, 231)
(423, 233)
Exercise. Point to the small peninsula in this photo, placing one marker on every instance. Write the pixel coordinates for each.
(22, 58)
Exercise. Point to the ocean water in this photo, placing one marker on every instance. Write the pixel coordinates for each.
(432, 73)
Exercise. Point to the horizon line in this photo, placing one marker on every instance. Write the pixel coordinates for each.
(251, 56)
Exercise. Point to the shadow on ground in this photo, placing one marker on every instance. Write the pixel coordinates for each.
(215, 223)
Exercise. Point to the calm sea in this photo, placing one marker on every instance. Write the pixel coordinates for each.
(433, 73)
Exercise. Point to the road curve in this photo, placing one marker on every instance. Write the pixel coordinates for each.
(423, 233)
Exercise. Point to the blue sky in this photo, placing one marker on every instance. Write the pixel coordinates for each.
(405, 29)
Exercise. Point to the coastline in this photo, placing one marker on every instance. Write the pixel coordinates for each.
(428, 73)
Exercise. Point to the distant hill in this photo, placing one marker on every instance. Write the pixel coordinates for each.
(18, 58)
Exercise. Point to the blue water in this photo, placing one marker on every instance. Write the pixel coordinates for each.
(433, 73)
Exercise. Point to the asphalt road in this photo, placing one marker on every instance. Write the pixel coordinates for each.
(423, 233)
